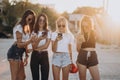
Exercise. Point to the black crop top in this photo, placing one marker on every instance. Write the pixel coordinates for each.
(90, 43)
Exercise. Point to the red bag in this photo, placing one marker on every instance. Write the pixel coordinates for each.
(74, 68)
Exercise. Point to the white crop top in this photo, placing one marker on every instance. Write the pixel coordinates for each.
(19, 28)
(42, 42)
(62, 45)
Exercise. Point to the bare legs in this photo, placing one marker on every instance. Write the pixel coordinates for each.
(56, 72)
(17, 70)
(93, 71)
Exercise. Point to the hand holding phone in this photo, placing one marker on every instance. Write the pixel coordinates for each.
(34, 37)
(59, 34)
(59, 37)
(44, 33)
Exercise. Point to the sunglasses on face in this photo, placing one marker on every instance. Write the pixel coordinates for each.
(41, 20)
(61, 26)
(29, 19)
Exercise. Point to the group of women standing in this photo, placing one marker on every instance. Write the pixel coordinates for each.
(30, 32)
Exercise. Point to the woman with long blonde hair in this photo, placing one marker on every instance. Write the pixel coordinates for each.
(87, 57)
(62, 49)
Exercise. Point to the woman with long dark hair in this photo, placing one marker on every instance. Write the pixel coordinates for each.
(21, 33)
(39, 57)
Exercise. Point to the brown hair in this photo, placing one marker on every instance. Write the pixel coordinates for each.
(45, 27)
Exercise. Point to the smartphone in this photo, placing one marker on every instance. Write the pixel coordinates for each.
(44, 33)
(59, 34)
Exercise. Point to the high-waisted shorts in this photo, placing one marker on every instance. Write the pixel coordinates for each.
(61, 59)
(15, 53)
(87, 58)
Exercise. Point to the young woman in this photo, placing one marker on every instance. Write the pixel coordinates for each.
(39, 57)
(21, 39)
(87, 57)
(62, 49)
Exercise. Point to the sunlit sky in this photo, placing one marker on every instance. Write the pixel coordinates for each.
(71, 5)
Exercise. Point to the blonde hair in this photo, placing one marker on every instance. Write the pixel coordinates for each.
(64, 20)
(88, 19)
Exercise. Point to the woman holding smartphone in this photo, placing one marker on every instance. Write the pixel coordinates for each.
(62, 49)
(21, 33)
(39, 57)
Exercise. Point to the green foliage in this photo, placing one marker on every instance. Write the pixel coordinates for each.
(65, 14)
(0, 21)
(52, 16)
(86, 10)
(14, 10)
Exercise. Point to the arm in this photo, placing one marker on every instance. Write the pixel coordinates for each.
(19, 42)
(36, 42)
(54, 45)
(78, 45)
(45, 46)
(70, 51)
(23, 44)
(79, 40)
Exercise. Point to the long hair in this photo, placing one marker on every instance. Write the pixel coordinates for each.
(23, 20)
(64, 20)
(45, 27)
(89, 20)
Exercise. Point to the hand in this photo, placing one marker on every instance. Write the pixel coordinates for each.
(71, 66)
(33, 38)
(30, 50)
(80, 38)
(43, 37)
(59, 38)
(25, 62)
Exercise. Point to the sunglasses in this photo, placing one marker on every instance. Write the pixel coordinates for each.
(29, 19)
(61, 26)
(41, 20)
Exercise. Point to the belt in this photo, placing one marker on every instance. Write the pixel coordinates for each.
(39, 51)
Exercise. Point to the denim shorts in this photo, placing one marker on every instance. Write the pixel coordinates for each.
(61, 59)
(15, 53)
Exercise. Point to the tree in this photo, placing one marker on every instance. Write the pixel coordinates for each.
(52, 16)
(86, 10)
(65, 14)
(14, 10)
